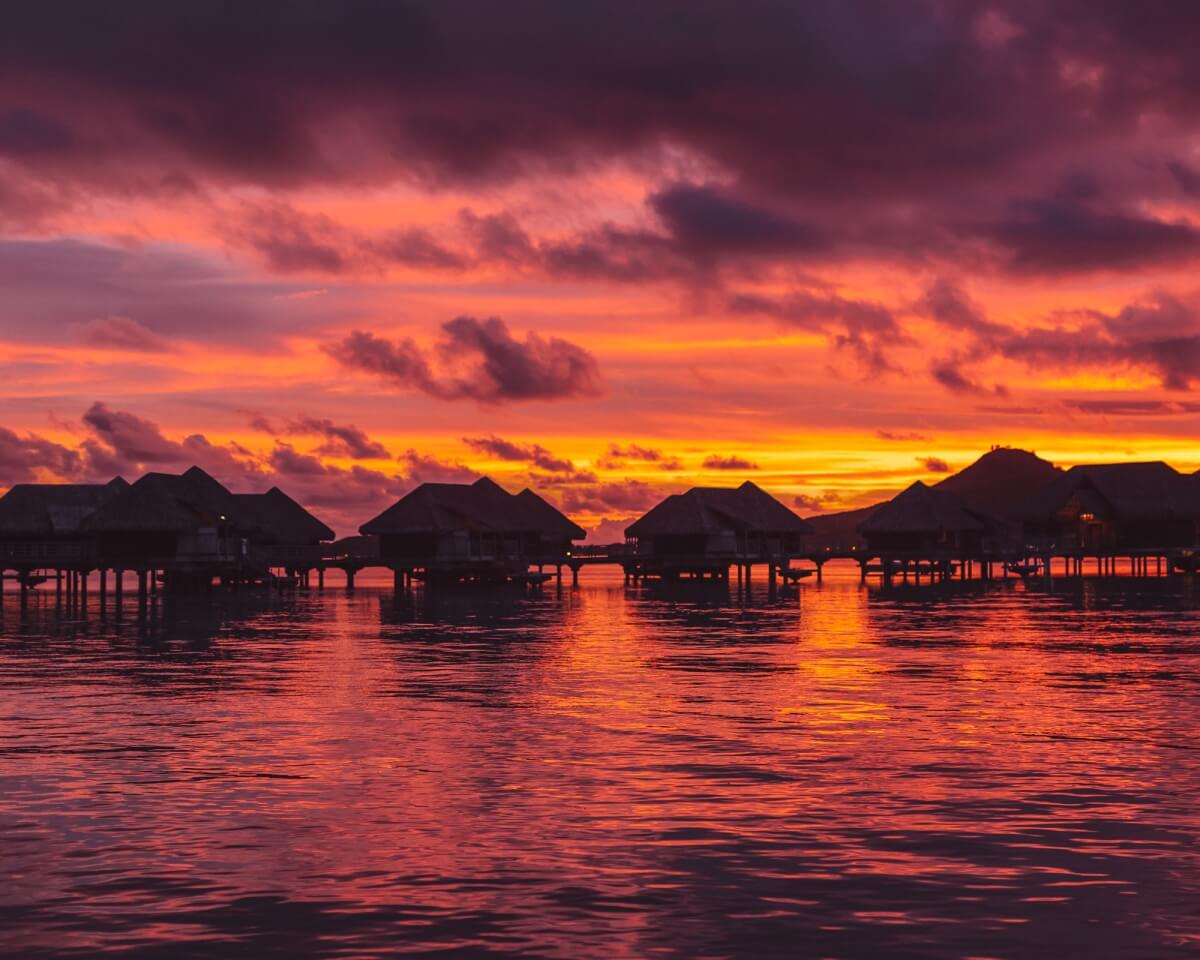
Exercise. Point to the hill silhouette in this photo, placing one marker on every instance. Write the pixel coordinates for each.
(996, 484)
(1000, 481)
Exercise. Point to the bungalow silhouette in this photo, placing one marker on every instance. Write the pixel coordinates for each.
(1116, 507)
(41, 524)
(925, 523)
(190, 523)
(709, 529)
(472, 531)
(280, 532)
(166, 518)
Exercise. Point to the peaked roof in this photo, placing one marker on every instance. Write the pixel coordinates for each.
(550, 521)
(280, 517)
(1133, 490)
(745, 509)
(36, 509)
(165, 502)
(482, 506)
(920, 509)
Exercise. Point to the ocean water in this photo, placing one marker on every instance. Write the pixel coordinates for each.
(968, 770)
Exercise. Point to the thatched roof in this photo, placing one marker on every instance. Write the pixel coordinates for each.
(279, 518)
(166, 502)
(1146, 490)
(706, 510)
(922, 509)
(49, 509)
(482, 506)
(551, 522)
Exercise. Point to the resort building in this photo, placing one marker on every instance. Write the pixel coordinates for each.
(926, 523)
(472, 531)
(165, 518)
(709, 529)
(41, 524)
(280, 532)
(1116, 507)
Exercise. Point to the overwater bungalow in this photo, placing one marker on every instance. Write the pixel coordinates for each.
(707, 530)
(279, 532)
(41, 524)
(472, 531)
(923, 523)
(184, 521)
(1115, 508)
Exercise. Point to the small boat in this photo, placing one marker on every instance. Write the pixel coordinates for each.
(791, 575)
(31, 580)
(1023, 568)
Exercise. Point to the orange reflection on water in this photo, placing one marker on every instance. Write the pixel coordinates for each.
(960, 770)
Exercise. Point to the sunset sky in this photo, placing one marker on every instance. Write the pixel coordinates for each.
(607, 250)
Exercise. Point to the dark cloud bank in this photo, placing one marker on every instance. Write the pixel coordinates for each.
(1007, 136)
(987, 120)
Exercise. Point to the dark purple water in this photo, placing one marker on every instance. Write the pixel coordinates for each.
(959, 772)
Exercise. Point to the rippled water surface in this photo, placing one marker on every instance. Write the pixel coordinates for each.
(1000, 771)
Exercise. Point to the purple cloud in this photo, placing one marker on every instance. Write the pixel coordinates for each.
(732, 462)
(479, 360)
(534, 453)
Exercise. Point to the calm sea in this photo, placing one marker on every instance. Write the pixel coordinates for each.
(1006, 770)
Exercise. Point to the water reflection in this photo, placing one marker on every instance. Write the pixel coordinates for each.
(947, 770)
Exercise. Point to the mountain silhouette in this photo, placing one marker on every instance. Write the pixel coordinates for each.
(1001, 481)
(997, 484)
